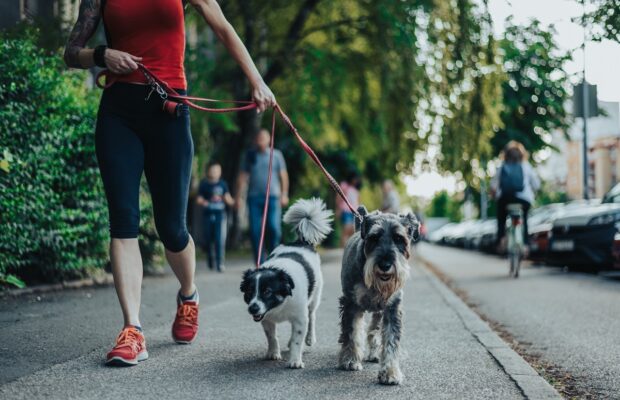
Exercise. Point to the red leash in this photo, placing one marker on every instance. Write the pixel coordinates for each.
(166, 92)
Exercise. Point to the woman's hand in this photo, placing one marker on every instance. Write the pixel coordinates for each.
(263, 97)
(120, 62)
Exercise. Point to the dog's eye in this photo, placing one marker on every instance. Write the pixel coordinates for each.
(398, 239)
(267, 292)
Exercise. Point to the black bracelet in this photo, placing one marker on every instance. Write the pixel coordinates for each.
(98, 56)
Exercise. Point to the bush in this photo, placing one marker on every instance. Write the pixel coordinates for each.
(52, 205)
(54, 219)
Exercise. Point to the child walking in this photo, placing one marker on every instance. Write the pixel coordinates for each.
(213, 196)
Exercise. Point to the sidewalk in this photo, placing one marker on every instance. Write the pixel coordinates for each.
(446, 349)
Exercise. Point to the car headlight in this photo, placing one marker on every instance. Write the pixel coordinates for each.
(605, 219)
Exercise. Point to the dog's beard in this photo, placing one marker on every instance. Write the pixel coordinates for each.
(386, 288)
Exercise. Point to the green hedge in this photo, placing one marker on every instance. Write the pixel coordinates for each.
(53, 215)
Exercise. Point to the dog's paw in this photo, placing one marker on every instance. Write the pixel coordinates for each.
(372, 358)
(295, 364)
(310, 340)
(273, 355)
(350, 365)
(390, 376)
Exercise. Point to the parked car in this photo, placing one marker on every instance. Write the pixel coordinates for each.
(438, 236)
(541, 223)
(615, 251)
(583, 237)
(483, 233)
(459, 233)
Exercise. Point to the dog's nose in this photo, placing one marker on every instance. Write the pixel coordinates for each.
(385, 266)
(253, 309)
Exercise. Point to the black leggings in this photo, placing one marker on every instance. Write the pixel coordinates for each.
(134, 135)
(502, 214)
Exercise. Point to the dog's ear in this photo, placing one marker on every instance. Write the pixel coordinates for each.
(367, 223)
(287, 284)
(245, 280)
(410, 222)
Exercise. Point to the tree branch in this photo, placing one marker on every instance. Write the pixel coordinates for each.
(292, 39)
(331, 25)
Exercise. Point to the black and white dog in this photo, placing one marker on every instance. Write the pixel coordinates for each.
(288, 285)
(375, 267)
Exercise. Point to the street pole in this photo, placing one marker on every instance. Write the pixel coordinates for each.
(586, 192)
(483, 199)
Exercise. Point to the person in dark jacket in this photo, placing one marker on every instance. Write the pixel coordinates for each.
(214, 196)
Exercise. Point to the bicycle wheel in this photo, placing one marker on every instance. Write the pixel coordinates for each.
(515, 263)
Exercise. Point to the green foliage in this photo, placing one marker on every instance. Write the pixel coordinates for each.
(606, 17)
(443, 205)
(468, 89)
(535, 92)
(53, 210)
(549, 195)
(354, 76)
(11, 280)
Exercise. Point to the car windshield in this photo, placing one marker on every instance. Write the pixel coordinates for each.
(613, 196)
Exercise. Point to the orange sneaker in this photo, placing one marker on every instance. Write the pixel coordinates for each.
(185, 326)
(130, 348)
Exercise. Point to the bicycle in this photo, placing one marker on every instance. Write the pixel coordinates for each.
(514, 233)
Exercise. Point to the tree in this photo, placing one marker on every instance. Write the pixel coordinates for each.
(352, 75)
(535, 92)
(443, 205)
(469, 96)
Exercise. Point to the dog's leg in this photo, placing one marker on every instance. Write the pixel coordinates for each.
(389, 373)
(311, 335)
(273, 349)
(374, 337)
(352, 318)
(299, 329)
(314, 305)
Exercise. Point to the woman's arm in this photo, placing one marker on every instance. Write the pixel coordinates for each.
(78, 56)
(212, 13)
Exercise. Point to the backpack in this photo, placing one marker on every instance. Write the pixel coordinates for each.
(511, 179)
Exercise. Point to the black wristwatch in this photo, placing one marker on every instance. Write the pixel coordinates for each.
(99, 56)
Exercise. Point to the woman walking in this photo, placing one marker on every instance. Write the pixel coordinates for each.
(133, 135)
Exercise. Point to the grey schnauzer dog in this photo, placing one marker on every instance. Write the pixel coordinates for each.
(374, 270)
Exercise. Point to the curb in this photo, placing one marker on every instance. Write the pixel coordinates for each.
(104, 280)
(531, 384)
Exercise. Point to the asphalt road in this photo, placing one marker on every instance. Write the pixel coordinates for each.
(571, 319)
(53, 347)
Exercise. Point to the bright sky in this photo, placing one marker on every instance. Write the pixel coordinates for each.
(602, 60)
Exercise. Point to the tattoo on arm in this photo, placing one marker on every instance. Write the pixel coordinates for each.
(88, 19)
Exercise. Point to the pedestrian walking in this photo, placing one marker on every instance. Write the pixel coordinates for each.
(133, 135)
(351, 188)
(254, 175)
(515, 182)
(214, 196)
(391, 199)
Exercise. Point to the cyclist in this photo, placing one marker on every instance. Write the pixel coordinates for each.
(515, 182)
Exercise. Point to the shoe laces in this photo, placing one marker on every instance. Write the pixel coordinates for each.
(129, 337)
(187, 313)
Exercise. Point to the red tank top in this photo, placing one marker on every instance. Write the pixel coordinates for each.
(153, 30)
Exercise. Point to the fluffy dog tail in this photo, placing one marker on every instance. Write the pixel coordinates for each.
(310, 219)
